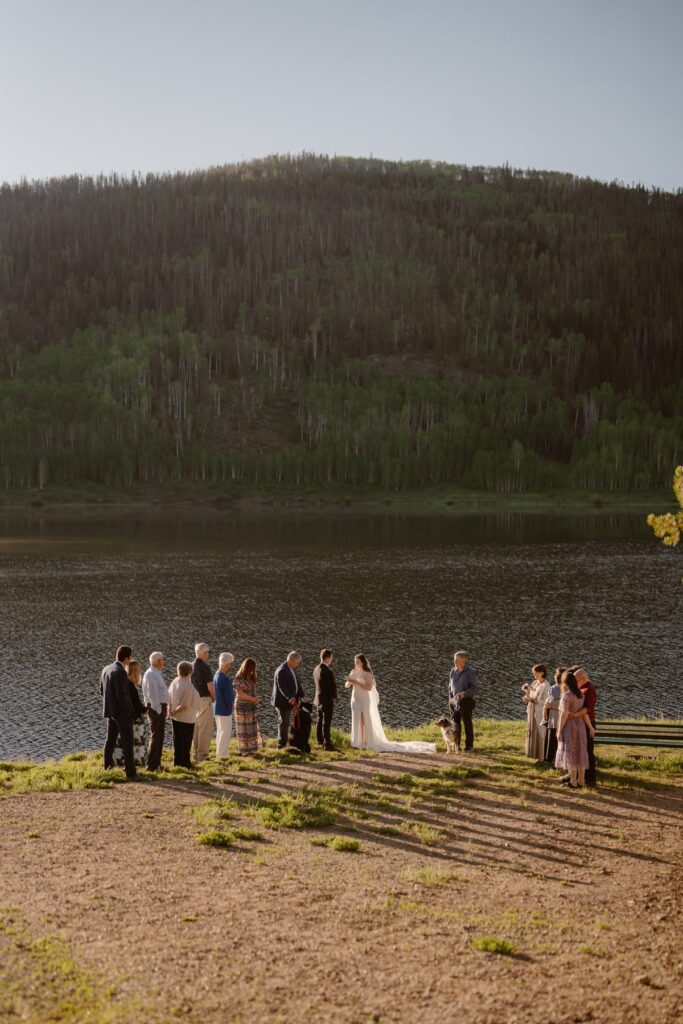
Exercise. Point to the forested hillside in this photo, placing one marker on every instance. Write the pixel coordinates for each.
(311, 319)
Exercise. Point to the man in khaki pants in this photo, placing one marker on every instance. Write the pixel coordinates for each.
(202, 679)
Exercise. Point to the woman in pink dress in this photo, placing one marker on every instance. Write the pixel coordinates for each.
(572, 748)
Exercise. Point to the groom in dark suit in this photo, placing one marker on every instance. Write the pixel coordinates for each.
(325, 696)
(118, 709)
(287, 692)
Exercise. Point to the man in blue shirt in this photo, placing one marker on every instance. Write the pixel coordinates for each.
(461, 689)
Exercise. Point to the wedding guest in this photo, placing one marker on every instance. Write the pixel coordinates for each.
(246, 708)
(550, 713)
(119, 710)
(462, 688)
(572, 749)
(202, 680)
(134, 672)
(155, 699)
(325, 696)
(183, 705)
(287, 692)
(590, 699)
(535, 697)
(225, 699)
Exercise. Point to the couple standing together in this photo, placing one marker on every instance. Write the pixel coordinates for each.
(288, 697)
(367, 731)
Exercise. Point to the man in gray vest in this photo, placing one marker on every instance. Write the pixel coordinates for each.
(461, 689)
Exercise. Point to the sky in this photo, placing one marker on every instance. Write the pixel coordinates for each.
(592, 87)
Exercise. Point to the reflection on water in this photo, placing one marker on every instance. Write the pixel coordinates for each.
(511, 588)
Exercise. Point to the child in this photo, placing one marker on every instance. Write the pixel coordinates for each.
(183, 704)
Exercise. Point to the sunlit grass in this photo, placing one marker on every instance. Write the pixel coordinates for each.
(499, 742)
(216, 837)
(308, 807)
(491, 944)
(342, 844)
(435, 877)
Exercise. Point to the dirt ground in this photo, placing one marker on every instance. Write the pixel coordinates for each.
(586, 887)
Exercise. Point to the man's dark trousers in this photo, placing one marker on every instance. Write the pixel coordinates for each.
(122, 729)
(284, 715)
(590, 771)
(157, 724)
(461, 713)
(324, 727)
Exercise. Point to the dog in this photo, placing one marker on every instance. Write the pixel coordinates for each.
(300, 728)
(448, 733)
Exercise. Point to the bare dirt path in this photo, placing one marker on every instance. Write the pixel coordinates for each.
(586, 887)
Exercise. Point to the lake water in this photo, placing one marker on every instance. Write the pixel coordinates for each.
(512, 589)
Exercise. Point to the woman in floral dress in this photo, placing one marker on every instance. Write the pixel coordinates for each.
(245, 711)
(572, 748)
(140, 737)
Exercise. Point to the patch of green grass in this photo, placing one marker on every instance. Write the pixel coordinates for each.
(308, 807)
(490, 944)
(588, 950)
(43, 984)
(434, 877)
(75, 771)
(248, 835)
(427, 834)
(344, 844)
(215, 837)
(212, 813)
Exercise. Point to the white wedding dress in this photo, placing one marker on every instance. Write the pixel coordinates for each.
(365, 705)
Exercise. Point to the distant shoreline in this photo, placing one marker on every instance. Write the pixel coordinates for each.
(288, 501)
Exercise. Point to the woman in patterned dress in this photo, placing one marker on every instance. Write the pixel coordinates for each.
(140, 738)
(572, 747)
(245, 711)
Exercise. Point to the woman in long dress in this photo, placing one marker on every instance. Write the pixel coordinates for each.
(367, 731)
(572, 746)
(140, 732)
(245, 710)
(535, 697)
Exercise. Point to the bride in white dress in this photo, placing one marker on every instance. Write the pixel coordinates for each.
(366, 725)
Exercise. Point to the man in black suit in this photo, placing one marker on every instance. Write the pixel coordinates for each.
(287, 692)
(325, 696)
(118, 709)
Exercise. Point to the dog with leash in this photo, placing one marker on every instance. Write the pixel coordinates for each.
(448, 734)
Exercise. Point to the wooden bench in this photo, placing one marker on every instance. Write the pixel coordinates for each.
(640, 734)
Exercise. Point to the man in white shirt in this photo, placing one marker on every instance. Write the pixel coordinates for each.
(155, 699)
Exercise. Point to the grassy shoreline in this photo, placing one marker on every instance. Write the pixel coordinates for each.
(501, 740)
(289, 500)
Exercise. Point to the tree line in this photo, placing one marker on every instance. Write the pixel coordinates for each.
(305, 319)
